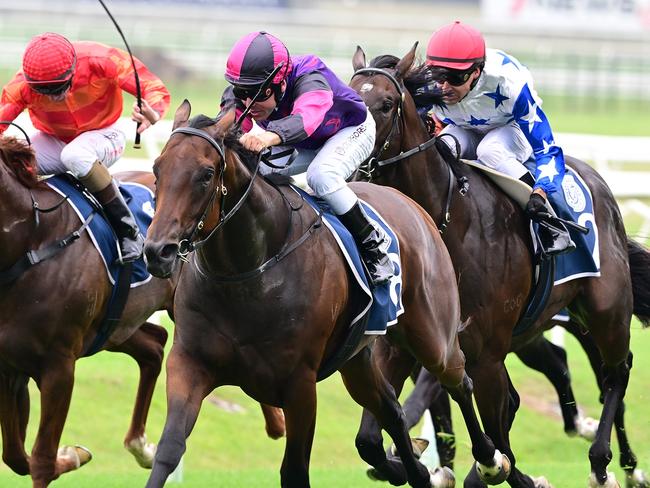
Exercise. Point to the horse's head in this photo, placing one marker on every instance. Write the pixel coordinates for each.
(190, 174)
(387, 86)
(381, 86)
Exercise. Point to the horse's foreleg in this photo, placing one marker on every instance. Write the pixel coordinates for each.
(300, 417)
(55, 385)
(550, 360)
(274, 419)
(492, 390)
(14, 415)
(367, 386)
(188, 383)
(146, 346)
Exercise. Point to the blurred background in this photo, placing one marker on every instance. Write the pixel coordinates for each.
(591, 63)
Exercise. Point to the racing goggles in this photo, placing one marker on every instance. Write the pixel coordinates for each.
(452, 76)
(51, 89)
(249, 92)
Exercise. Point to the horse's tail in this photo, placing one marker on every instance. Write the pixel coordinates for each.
(639, 258)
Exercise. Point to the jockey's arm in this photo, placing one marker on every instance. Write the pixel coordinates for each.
(549, 158)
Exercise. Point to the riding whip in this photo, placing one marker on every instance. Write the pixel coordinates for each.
(138, 94)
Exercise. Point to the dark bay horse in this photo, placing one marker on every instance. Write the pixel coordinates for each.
(488, 242)
(50, 314)
(267, 297)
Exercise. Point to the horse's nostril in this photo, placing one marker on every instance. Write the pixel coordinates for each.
(169, 251)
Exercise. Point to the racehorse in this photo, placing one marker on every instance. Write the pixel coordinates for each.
(486, 234)
(266, 298)
(50, 315)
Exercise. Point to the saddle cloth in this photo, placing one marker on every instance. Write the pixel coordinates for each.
(572, 202)
(141, 202)
(384, 303)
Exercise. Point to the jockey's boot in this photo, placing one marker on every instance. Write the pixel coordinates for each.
(373, 243)
(554, 239)
(101, 184)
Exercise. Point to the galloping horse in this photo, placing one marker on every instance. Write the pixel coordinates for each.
(266, 297)
(486, 234)
(50, 315)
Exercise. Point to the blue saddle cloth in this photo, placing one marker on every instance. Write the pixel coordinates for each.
(141, 202)
(384, 301)
(574, 202)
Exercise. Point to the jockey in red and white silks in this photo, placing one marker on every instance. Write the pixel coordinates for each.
(490, 105)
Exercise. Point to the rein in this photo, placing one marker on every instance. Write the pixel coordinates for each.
(188, 245)
(372, 163)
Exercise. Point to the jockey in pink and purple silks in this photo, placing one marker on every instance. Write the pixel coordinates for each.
(307, 107)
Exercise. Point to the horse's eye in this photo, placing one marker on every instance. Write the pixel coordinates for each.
(387, 106)
(207, 176)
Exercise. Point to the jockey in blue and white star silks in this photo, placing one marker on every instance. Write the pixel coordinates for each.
(492, 108)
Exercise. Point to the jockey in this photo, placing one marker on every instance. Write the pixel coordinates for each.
(307, 107)
(73, 92)
(492, 108)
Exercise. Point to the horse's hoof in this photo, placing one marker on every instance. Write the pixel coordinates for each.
(418, 444)
(375, 475)
(541, 482)
(76, 455)
(636, 479)
(142, 451)
(497, 473)
(610, 482)
(442, 478)
(587, 428)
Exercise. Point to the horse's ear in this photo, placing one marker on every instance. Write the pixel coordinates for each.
(359, 59)
(404, 64)
(225, 122)
(182, 114)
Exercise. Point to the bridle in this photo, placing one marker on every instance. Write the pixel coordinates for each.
(370, 165)
(189, 244)
(185, 246)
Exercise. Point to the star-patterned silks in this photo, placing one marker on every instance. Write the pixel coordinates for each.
(547, 145)
(448, 121)
(475, 121)
(547, 170)
(507, 60)
(531, 117)
(497, 96)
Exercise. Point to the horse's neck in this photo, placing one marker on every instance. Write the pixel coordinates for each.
(16, 217)
(253, 234)
(424, 176)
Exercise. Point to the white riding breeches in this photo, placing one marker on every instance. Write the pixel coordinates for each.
(329, 166)
(54, 156)
(503, 149)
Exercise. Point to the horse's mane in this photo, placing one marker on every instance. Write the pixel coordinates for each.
(417, 80)
(20, 159)
(231, 141)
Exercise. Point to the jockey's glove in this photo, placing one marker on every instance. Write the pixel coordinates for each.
(536, 205)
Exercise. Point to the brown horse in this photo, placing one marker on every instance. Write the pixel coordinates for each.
(267, 297)
(50, 316)
(485, 232)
